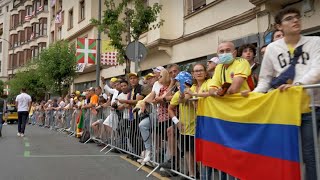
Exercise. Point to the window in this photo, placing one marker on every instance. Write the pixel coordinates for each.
(1, 47)
(43, 27)
(70, 25)
(52, 36)
(7, 8)
(22, 14)
(53, 10)
(28, 32)
(29, 10)
(59, 33)
(194, 5)
(45, 5)
(82, 10)
(198, 4)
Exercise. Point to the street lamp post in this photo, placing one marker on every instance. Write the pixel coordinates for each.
(12, 54)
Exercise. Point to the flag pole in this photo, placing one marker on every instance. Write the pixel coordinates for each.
(98, 49)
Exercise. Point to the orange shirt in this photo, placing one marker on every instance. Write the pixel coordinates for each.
(94, 99)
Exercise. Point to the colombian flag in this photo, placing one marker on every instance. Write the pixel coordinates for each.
(252, 138)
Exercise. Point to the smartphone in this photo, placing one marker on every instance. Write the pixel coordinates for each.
(224, 88)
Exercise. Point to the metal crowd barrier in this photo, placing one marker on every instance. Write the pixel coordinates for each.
(133, 133)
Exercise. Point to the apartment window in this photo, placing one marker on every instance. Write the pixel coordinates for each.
(53, 10)
(21, 35)
(22, 16)
(82, 10)
(52, 36)
(43, 27)
(21, 58)
(194, 5)
(59, 33)
(28, 32)
(45, 3)
(70, 25)
(29, 10)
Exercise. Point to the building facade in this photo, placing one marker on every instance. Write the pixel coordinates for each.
(191, 31)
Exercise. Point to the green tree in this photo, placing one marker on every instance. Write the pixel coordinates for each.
(56, 66)
(136, 22)
(29, 78)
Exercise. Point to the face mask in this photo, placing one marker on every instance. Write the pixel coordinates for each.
(225, 58)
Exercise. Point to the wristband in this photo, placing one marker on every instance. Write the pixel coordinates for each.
(175, 120)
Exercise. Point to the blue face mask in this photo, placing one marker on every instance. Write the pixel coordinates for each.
(225, 58)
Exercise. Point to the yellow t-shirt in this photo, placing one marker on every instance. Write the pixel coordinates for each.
(239, 68)
(187, 114)
(291, 50)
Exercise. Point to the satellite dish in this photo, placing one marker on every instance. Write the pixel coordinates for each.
(136, 51)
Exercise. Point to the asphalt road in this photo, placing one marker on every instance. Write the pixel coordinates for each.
(48, 155)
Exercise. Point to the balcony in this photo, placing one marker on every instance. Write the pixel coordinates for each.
(13, 31)
(14, 11)
(26, 24)
(33, 43)
(26, 45)
(42, 39)
(42, 14)
(28, 3)
(18, 49)
(20, 27)
(21, 7)
(34, 20)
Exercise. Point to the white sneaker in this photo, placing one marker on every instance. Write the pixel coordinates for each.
(22, 135)
(18, 134)
(5, 124)
(147, 157)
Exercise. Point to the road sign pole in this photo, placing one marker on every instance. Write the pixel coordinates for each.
(136, 55)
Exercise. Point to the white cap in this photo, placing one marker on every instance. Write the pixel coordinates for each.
(158, 69)
(214, 60)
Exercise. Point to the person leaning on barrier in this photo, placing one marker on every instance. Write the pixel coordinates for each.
(231, 73)
(294, 60)
(248, 52)
(186, 120)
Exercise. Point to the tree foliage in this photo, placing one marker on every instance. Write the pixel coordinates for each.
(136, 20)
(57, 65)
(51, 72)
(30, 79)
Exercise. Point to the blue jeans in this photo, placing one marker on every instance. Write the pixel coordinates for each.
(308, 153)
(144, 127)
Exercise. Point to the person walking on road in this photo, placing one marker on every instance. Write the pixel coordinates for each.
(23, 103)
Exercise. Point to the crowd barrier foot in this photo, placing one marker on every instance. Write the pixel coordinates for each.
(105, 147)
(90, 139)
(153, 170)
(109, 150)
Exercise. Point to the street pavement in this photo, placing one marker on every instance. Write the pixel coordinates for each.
(48, 155)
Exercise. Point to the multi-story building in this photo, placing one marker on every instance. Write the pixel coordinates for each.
(191, 31)
(4, 35)
(28, 30)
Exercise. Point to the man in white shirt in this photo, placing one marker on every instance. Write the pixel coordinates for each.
(23, 104)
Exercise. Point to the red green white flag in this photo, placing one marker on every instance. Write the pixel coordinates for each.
(86, 51)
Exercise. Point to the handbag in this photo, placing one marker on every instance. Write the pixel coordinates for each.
(288, 75)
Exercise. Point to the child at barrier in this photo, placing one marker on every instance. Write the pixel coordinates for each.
(186, 121)
(97, 126)
(32, 113)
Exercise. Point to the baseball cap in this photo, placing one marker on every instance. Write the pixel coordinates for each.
(214, 60)
(149, 75)
(113, 79)
(91, 89)
(84, 94)
(78, 93)
(132, 74)
(158, 69)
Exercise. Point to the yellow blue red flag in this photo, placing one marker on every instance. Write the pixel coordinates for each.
(252, 138)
